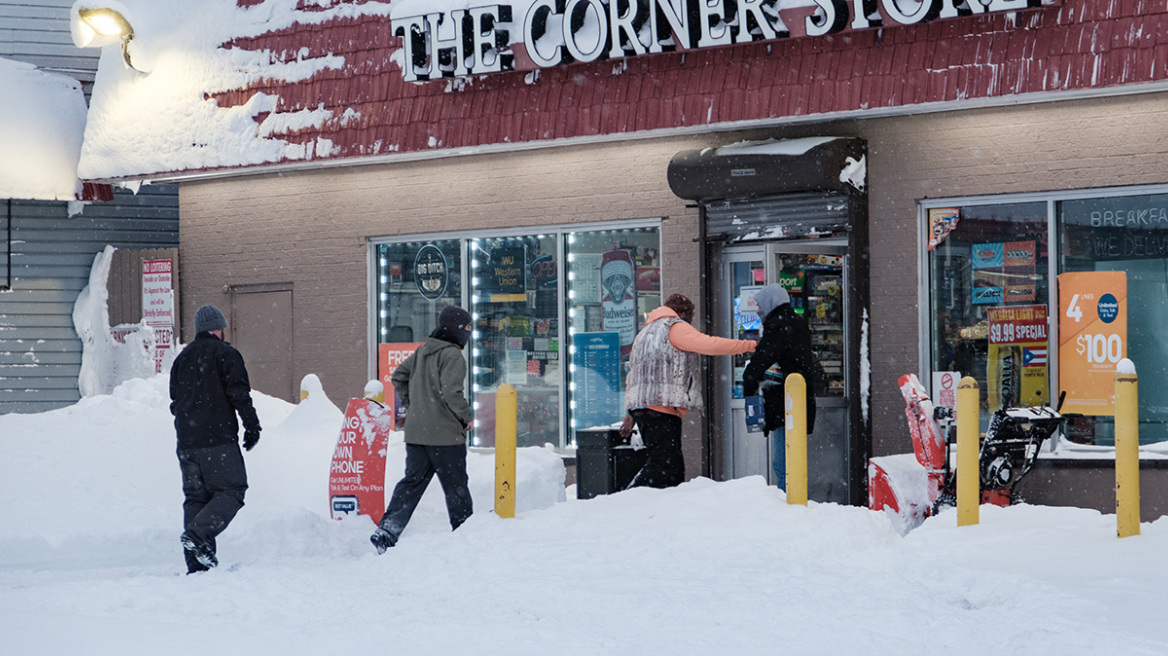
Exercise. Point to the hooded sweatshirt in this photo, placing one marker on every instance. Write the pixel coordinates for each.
(786, 341)
(687, 339)
(770, 297)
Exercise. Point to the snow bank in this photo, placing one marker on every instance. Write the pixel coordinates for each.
(42, 121)
(104, 471)
(91, 509)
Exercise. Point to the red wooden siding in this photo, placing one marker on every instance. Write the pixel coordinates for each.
(1079, 45)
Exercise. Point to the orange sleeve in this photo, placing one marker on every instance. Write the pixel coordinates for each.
(685, 337)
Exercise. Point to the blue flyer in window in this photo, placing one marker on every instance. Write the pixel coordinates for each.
(596, 377)
(754, 414)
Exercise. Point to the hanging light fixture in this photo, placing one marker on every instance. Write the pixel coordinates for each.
(98, 24)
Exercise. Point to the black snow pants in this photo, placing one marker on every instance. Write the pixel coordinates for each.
(661, 433)
(214, 482)
(422, 463)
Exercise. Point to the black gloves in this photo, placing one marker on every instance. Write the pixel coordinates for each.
(250, 437)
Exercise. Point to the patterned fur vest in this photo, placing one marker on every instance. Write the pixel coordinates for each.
(659, 373)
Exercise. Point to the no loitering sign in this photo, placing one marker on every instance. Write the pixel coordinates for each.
(158, 306)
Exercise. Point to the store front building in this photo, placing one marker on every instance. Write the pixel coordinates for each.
(915, 188)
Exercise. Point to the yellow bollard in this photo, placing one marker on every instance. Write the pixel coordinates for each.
(506, 411)
(968, 448)
(303, 394)
(1127, 450)
(795, 391)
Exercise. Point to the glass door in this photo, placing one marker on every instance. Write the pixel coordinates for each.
(814, 273)
(743, 274)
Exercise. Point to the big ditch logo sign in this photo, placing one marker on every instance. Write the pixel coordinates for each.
(533, 34)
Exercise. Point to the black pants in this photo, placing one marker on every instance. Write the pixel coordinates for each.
(422, 463)
(661, 433)
(214, 482)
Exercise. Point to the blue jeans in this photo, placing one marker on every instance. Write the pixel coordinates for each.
(779, 463)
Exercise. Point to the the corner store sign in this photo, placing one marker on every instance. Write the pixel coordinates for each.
(478, 40)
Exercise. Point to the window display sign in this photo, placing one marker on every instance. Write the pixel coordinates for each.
(586, 288)
(389, 356)
(945, 389)
(431, 272)
(1092, 338)
(1004, 272)
(942, 221)
(505, 276)
(597, 375)
(619, 296)
(543, 271)
(1016, 364)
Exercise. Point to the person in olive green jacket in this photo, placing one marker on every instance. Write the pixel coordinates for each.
(431, 383)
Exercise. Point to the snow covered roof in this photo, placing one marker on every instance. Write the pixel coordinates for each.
(239, 84)
(42, 120)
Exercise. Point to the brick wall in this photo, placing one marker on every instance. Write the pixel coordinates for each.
(312, 229)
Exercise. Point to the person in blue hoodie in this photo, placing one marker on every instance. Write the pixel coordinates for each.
(785, 342)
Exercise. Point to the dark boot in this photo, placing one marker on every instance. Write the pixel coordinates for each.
(382, 540)
(203, 554)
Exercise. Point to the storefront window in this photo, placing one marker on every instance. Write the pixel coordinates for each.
(1128, 234)
(989, 290)
(992, 305)
(415, 280)
(515, 303)
(613, 283)
(519, 290)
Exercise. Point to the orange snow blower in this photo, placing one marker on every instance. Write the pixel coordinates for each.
(1007, 453)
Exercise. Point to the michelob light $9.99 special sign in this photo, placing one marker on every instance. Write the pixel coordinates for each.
(1016, 361)
(1092, 338)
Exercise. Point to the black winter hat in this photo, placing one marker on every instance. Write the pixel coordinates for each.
(207, 318)
(453, 326)
(454, 318)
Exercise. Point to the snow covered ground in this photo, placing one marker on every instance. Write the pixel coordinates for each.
(90, 509)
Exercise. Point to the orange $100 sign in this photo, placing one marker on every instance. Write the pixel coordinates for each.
(1092, 338)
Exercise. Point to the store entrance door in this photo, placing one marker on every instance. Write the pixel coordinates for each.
(814, 273)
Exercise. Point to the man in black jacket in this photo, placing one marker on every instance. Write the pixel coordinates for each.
(208, 386)
(786, 342)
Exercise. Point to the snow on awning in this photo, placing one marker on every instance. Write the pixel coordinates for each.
(42, 122)
(765, 168)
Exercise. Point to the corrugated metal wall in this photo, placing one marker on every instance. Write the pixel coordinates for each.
(37, 32)
(40, 353)
(52, 253)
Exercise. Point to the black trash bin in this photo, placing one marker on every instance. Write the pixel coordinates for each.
(605, 461)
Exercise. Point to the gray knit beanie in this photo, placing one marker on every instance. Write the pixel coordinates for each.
(208, 318)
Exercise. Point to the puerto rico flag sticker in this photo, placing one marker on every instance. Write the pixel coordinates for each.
(1034, 357)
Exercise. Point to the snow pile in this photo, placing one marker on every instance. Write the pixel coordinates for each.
(90, 505)
(106, 362)
(42, 120)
